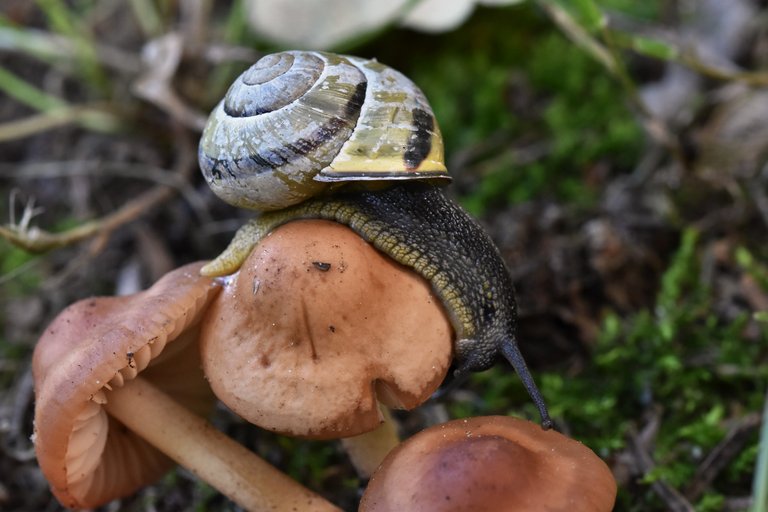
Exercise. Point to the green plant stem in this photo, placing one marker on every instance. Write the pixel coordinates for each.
(148, 17)
(57, 49)
(608, 55)
(64, 22)
(26, 93)
(55, 111)
(92, 118)
(579, 36)
(760, 482)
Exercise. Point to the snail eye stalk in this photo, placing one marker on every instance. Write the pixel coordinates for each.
(511, 353)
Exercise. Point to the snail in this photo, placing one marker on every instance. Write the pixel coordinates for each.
(317, 135)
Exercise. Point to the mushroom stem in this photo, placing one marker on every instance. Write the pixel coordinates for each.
(368, 450)
(195, 444)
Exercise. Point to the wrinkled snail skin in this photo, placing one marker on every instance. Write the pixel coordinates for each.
(357, 143)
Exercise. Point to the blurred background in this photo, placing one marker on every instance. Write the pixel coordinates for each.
(616, 151)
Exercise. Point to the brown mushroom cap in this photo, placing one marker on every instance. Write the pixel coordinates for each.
(316, 326)
(102, 343)
(495, 463)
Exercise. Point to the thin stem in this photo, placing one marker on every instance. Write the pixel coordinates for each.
(38, 240)
(760, 483)
(26, 93)
(88, 117)
(65, 22)
(368, 450)
(148, 17)
(58, 49)
(195, 444)
(608, 55)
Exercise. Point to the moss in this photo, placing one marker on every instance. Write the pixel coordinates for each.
(505, 98)
(679, 360)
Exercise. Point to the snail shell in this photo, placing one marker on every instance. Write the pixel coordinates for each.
(296, 124)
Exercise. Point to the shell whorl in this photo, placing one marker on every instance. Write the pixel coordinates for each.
(295, 122)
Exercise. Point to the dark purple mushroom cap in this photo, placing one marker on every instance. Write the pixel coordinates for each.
(493, 464)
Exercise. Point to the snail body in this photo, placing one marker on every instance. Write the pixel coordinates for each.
(372, 160)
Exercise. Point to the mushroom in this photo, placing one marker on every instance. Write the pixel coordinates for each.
(494, 463)
(315, 327)
(102, 431)
(367, 450)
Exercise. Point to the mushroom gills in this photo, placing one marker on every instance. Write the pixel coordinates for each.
(105, 342)
(86, 444)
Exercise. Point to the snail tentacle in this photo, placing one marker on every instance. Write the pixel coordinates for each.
(511, 352)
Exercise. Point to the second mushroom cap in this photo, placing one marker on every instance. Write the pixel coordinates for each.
(103, 343)
(493, 464)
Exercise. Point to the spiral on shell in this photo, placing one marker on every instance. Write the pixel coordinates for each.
(297, 124)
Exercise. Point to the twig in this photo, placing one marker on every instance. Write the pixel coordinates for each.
(721, 455)
(608, 55)
(54, 47)
(68, 168)
(677, 48)
(91, 117)
(674, 501)
(161, 58)
(82, 258)
(750, 78)
(38, 240)
(578, 35)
